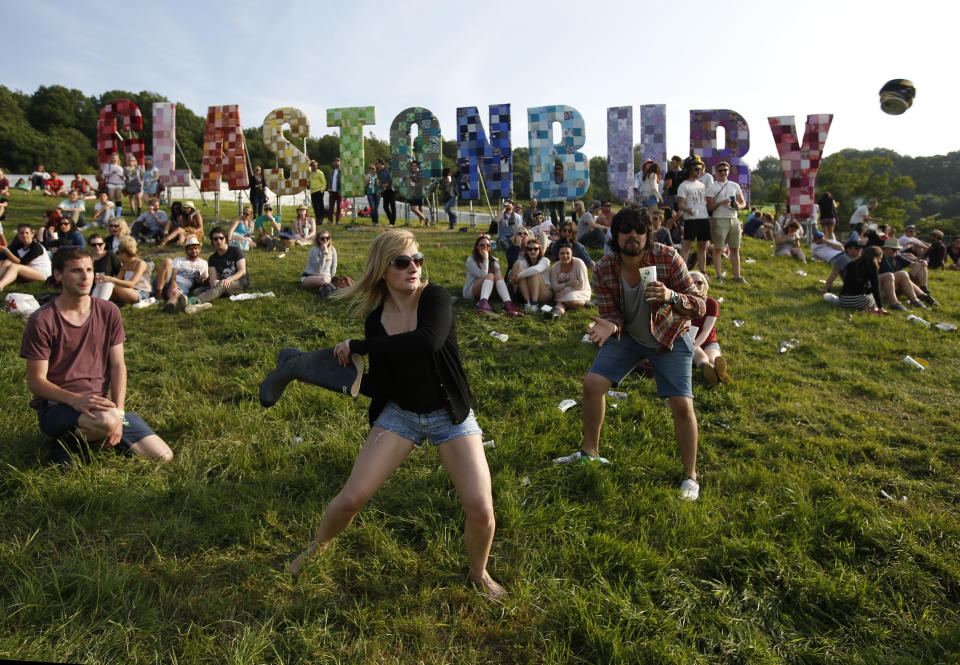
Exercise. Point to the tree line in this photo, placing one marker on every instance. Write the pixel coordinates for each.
(57, 126)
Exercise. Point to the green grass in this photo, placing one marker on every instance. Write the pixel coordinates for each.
(790, 555)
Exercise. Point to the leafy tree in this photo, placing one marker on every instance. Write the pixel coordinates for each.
(521, 173)
(853, 180)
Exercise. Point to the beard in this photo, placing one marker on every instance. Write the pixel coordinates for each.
(631, 248)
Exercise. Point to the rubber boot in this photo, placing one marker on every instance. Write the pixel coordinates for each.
(318, 368)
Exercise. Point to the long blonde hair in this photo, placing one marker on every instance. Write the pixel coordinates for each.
(370, 290)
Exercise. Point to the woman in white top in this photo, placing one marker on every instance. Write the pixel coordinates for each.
(569, 280)
(112, 173)
(321, 265)
(483, 276)
(133, 285)
(649, 194)
(530, 275)
(304, 226)
(788, 241)
(118, 230)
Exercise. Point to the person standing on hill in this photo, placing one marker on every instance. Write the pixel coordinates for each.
(318, 185)
(336, 185)
(724, 199)
(642, 318)
(692, 207)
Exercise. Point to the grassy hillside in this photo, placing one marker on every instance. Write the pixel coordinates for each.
(792, 554)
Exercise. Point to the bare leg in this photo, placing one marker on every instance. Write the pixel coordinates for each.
(524, 288)
(14, 270)
(163, 275)
(464, 460)
(887, 289)
(702, 256)
(735, 262)
(685, 430)
(153, 447)
(314, 282)
(717, 260)
(595, 387)
(381, 455)
(685, 251)
(125, 294)
(700, 357)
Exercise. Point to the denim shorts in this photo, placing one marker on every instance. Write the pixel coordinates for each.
(437, 426)
(59, 418)
(671, 370)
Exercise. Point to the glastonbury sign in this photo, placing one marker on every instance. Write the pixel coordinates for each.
(559, 171)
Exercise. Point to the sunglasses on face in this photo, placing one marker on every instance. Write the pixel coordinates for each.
(217, 238)
(324, 237)
(628, 228)
(483, 245)
(402, 261)
(533, 248)
(96, 244)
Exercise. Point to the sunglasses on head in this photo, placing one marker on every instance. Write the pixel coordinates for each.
(402, 261)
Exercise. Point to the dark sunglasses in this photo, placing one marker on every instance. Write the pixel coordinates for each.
(533, 248)
(324, 237)
(96, 244)
(627, 228)
(216, 238)
(402, 261)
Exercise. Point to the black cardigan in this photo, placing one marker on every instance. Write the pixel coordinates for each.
(434, 341)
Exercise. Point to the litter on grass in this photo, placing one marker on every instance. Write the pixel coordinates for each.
(801, 273)
(586, 339)
(916, 363)
(749, 260)
(252, 296)
(546, 309)
(945, 327)
(738, 323)
(886, 496)
(566, 404)
(617, 394)
(297, 440)
(489, 444)
(756, 338)
(917, 319)
(144, 303)
(525, 481)
(503, 337)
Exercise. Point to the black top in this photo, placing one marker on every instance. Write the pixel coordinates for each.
(675, 178)
(937, 256)
(828, 207)
(860, 278)
(108, 264)
(420, 370)
(226, 264)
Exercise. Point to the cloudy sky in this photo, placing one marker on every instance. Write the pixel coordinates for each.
(759, 58)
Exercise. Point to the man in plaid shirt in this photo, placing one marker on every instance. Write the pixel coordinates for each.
(642, 318)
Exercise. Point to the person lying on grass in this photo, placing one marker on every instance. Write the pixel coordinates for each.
(410, 336)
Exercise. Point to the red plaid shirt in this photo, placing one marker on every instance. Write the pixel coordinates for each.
(666, 323)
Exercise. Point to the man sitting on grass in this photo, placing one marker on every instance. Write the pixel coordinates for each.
(177, 277)
(228, 272)
(73, 346)
(25, 259)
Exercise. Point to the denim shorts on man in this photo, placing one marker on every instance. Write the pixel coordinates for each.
(672, 370)
(437, 426)
(59, 418)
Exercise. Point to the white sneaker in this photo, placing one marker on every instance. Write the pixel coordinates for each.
(689, 489)
(530, 307)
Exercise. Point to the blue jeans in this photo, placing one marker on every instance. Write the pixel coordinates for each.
(374, 201)
(437, 426)
(448, 208)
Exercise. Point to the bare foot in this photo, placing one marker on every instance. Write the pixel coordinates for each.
(296, 566)
(489, 587)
